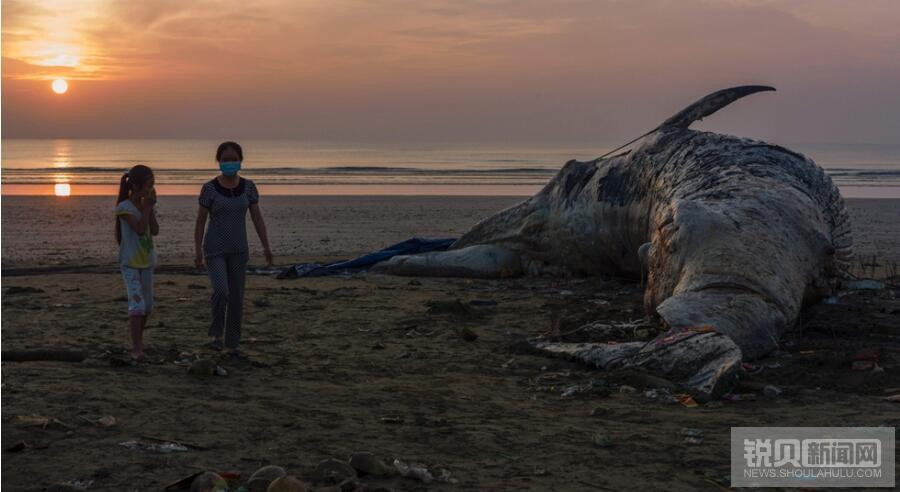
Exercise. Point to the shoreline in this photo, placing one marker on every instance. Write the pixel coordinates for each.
(849, 192)
(309, 228)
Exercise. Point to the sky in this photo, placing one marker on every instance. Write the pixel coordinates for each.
(447, 70)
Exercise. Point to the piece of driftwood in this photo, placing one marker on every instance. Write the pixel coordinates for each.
(54, 355)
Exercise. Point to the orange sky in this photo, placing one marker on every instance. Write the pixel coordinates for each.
(454, 70)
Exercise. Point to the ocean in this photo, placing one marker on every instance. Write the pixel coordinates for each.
(36, 167)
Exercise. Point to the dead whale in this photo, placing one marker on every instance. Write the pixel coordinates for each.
(733, 237)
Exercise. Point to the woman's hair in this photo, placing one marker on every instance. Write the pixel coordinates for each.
(135, 177)
(229, 145)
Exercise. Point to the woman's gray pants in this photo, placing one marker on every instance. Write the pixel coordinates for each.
(227, 274)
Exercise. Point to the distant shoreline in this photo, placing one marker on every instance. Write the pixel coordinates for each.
(375, 190)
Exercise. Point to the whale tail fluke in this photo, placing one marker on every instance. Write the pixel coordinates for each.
(710, 104)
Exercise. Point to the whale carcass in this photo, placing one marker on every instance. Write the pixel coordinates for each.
(733, 237)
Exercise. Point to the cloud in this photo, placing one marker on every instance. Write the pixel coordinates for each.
(460, 69)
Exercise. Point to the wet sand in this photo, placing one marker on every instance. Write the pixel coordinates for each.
(365, 363)
(44, 231)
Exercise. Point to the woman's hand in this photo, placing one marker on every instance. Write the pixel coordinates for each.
(198, 261)
(270, 261)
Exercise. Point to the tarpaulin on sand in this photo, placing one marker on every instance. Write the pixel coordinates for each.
(409, 247)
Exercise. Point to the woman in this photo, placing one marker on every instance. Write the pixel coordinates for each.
(225, 200)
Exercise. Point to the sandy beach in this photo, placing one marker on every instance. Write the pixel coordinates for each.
(306, 228)
(386, 364)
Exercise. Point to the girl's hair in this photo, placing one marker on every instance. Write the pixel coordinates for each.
(229, 145)
(135, 177)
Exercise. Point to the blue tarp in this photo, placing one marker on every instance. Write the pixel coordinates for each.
(408, 247)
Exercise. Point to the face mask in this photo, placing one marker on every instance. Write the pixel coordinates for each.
(230, 168)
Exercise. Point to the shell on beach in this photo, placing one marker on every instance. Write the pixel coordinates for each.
(262, 478)
(332, 471)
(209, 482)
(287, 483)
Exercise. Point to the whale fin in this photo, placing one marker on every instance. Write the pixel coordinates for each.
(710, 104)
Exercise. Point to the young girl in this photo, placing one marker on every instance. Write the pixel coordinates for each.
(135, 227)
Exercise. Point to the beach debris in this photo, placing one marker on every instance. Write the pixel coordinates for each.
(366, 463)
(414, 282)
(156, 447)
(392, 419)
(626, 389)
(202, 367)
(599, 411)
(39, 421)
(693, 440)
(333, 471)
(209, 482)
(260, 480)
(54, 355)
(602, 440)
(287, 483)
(17, 290)
(893, 398)
(467, 334)
(261, 302)
(220, 371)
(686, 400)
(417, 471)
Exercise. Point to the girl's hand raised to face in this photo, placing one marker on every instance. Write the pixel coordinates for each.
(148, 197)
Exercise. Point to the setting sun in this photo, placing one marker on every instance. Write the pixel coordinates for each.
(62, 189)
(60, 86)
